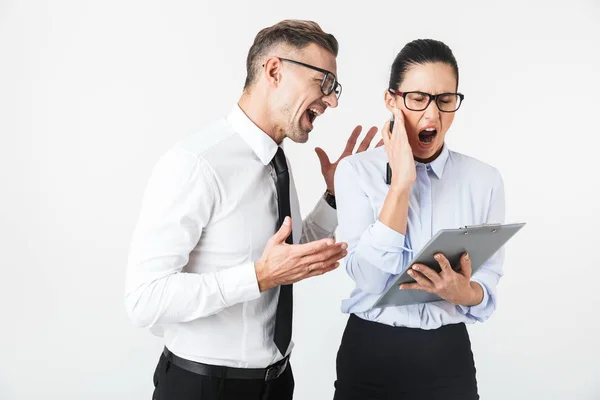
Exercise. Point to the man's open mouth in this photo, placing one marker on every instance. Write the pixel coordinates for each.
(312, 114)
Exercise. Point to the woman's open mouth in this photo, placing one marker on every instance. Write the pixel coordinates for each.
(426, 136)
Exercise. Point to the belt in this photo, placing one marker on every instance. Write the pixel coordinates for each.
(218, 371)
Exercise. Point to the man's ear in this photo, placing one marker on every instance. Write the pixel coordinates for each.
(272, 70)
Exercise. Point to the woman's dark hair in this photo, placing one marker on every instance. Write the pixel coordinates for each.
(417, 52)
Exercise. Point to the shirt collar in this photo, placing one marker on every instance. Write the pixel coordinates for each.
(438, 165)
(263, 146)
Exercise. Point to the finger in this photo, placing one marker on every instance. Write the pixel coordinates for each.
(413, 286)
(420, 279)
(399, 117)
(334, 253)
(364, 145)
(316, 246)
(433, 276)
(465, 265)
(329, 261)
(399, 131)
(323, 157)
(281, 235)
(380, 143)
(323, 265)
(443, 261)
(385, 133)
(398, 120)
(324, 270)
(396, 133)
(352, 140)
(314, 270)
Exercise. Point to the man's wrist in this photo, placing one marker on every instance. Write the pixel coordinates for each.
(330, 199)
(260, 278)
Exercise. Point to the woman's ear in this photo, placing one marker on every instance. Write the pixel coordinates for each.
(389, 100)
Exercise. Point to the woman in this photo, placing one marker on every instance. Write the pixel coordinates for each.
(419, 351)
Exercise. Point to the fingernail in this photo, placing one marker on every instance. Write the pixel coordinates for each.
(437, 256)
(410, 272)
(401, 287)
(467, 256)
(344, 246)
(286, 221)
(416, 267)
(337, 264)
(330, 243)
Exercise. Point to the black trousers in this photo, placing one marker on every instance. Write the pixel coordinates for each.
(174, 383)
(381, 362)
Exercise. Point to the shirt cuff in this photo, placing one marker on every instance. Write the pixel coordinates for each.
(325, 216)
(478, 308)
(239, 284)
(386, 238)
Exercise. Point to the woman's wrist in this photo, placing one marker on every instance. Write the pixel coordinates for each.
(475, 294)
(399, 189)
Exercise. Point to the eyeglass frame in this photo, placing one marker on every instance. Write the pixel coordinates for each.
(432, 97)
(321, 70)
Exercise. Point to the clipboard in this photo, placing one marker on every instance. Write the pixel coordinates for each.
(480, 241)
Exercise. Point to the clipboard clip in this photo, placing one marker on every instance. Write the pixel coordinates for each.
(494, 226)
(482, 226)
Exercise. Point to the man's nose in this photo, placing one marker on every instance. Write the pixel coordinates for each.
(331, 100)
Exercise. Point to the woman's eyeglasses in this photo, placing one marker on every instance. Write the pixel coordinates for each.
(419, 101)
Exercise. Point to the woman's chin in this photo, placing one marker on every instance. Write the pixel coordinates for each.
(425, 151)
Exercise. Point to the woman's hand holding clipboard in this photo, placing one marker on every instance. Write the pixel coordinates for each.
(453, 286)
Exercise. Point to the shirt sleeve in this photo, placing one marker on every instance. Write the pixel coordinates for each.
(320, 223)
(490, 272)
(376, 253)
(179, 200)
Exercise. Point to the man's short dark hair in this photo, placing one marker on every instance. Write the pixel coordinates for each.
(294, 33)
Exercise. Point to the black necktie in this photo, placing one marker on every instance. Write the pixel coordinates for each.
(283, 316)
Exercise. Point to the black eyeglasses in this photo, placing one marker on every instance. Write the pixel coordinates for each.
(419, 101)
(328, 84)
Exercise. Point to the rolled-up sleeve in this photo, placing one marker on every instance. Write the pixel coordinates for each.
(375, 251)
(320, 223)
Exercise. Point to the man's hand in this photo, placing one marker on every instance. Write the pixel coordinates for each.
(282, 263)
(456, 287)
(328, 168)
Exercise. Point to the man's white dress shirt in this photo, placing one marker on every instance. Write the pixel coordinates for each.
(209, 208)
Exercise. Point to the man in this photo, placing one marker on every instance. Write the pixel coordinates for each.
(215, 252)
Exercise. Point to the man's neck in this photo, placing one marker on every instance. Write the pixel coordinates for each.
(256, 111)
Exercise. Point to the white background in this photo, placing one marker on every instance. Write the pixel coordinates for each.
(92, 93)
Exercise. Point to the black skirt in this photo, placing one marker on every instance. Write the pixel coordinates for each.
(380, 362)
